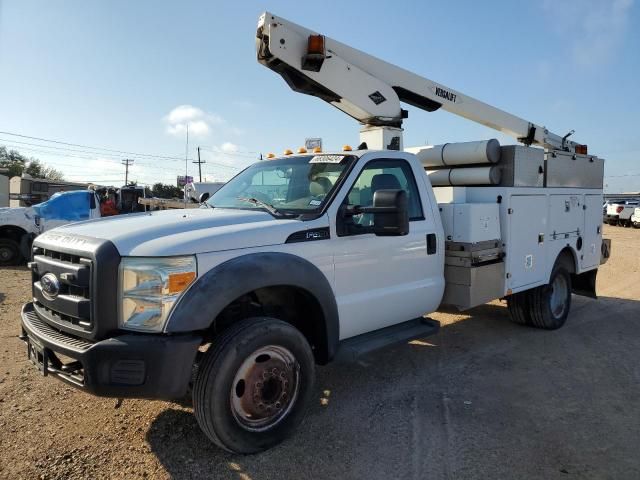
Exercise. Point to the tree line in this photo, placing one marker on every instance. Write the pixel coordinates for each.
(13, 163)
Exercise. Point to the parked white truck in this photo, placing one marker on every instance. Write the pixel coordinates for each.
(306, 258)
(620, 212)
(635, 218)
(20, 225)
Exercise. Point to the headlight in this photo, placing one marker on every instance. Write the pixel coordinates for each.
(149, 287)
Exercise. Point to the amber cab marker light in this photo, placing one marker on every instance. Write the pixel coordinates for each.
(346, 148)
(271, 155)
(302, 150)
(288, 152)
(317, 150)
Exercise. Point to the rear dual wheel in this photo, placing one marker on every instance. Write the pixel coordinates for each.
(254, 385)
(547, 306)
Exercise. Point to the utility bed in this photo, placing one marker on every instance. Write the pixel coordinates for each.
(543, 220)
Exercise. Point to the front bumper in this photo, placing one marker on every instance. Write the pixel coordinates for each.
(127, 366)
(613, 218)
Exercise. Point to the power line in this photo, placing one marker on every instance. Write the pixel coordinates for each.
(107, 158)
(90, 147)
(120, 152)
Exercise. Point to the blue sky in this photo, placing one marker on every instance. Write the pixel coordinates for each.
(127, 76)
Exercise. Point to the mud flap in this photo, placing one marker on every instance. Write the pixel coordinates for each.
(585, 284)
(605, 250)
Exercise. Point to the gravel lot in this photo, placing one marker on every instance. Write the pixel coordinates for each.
(483, 399)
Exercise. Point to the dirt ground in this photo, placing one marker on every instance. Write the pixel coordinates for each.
(483, 399)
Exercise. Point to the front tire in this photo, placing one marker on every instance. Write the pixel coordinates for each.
(253, 385)
(9, 252)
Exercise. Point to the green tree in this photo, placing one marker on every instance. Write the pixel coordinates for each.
(161, 190)
(16, 164)
(12, 162)
(38, 170)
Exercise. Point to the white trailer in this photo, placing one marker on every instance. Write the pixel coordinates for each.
(198, 192)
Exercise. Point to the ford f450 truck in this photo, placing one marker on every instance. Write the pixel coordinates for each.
(306, 258)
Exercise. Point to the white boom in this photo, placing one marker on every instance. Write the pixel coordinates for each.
(370, 90)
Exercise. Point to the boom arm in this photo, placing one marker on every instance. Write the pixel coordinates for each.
(370, 90)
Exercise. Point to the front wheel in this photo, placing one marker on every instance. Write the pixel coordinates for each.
(254, 385)
(9, 252)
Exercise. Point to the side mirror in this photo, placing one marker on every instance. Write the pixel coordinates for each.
(390, 213)
(204, 197)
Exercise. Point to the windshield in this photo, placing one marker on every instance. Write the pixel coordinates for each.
(288, 185)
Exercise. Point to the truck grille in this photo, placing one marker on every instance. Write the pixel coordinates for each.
(75, 283)
(68, 301)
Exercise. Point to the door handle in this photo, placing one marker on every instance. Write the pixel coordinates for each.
(432, 243)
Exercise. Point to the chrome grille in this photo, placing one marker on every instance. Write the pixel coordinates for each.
(72, 305)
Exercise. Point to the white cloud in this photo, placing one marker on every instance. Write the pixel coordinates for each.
(229, 147)
(594, 28)
(200, 122)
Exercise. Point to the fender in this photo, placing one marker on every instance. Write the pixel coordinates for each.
(217, 288)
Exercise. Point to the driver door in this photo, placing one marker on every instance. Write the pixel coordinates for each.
(384, 280)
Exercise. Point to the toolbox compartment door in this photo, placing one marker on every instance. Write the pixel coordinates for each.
(526, 261)
(592, 237)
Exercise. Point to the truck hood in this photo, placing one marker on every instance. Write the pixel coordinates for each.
(183, 232)
(17, 216)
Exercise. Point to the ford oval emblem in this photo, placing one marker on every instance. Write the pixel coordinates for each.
(50, 286)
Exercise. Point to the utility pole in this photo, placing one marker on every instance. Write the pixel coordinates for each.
(199, 162)
(186, 167)
(126, 164)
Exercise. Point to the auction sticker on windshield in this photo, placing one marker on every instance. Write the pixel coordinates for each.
(327, 158)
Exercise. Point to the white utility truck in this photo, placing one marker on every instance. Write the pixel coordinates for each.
(306, 258)
(20, 225)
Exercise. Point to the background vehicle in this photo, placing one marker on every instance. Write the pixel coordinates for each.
(619, 212)
(635, 218)
(20, 225)
(26, 191)
(307, 258)
(198, 192)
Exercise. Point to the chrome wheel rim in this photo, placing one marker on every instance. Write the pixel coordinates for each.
(558, 299)
(265, 388)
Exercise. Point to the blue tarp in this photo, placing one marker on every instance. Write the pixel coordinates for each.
(74, 205)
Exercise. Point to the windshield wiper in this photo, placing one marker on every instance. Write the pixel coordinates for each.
(267, 206)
